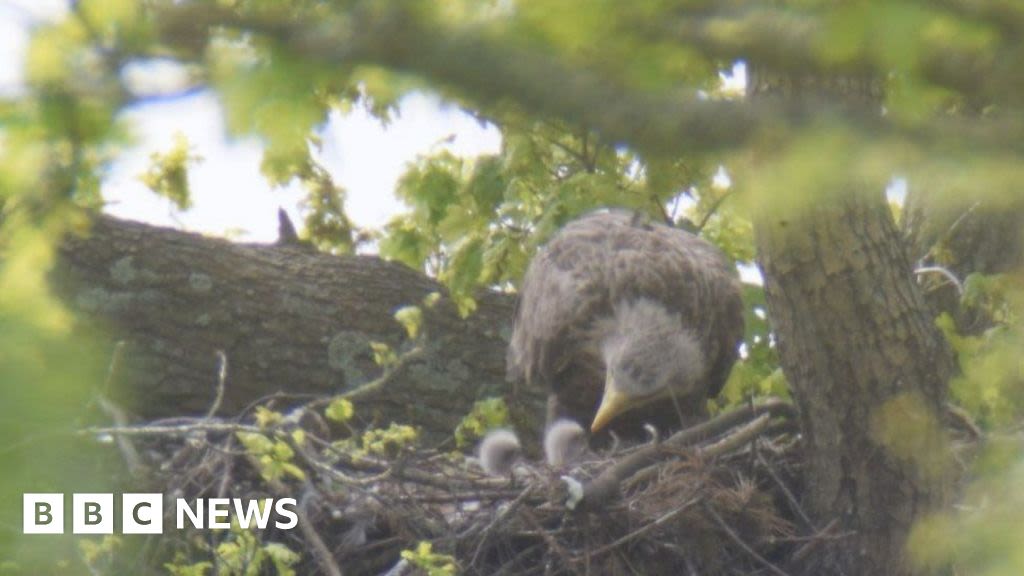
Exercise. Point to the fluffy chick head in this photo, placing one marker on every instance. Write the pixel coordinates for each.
(564, 442)
(499, 450)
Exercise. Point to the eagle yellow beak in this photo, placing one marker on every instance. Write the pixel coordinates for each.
(612, 404)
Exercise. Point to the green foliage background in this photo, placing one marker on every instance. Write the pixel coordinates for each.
(599, 103)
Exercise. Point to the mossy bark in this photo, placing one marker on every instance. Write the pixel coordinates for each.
(867, 366)
(868, 370)
(289, 321)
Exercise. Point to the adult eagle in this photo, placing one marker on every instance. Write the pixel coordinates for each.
(621, 317)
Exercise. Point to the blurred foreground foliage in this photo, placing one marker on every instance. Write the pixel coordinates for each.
(598, 103)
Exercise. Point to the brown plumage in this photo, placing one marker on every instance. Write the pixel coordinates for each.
(627, 322)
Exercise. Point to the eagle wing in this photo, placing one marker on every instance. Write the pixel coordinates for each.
(562, 293)
(575, 281)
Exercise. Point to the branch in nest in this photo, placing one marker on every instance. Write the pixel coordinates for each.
(739, 438)
(498, 519)
(645, 528)
(743, 545)
(794, 504)
(128, 451)
(776, 407)
(320, 549)
(603, 488)
(376, 386)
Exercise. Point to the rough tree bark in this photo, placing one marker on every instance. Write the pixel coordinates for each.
(288, 320)
(867, 366)
(868, 370)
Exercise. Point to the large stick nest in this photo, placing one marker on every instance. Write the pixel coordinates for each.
(718, 498)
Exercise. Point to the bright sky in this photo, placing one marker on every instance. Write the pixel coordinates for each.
(230, 196)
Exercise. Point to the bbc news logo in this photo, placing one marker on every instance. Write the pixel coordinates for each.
(144, 513)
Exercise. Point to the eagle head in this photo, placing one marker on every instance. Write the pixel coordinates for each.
(648, 355)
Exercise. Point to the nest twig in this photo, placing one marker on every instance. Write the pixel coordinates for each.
(718, 498)
(702, 498)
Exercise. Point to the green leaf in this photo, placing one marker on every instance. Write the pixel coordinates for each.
(383, 355)
(411, 318)
(267, 418)
(431, 300)
(485, 415)
(389, 441)
(433, 563)
(168, 174)
(339, 410)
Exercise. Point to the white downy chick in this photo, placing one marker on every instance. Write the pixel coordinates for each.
(564, 442)
(499, 451)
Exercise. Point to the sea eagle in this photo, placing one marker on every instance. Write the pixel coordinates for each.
(627, 322)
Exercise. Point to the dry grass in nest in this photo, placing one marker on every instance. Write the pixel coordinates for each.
(714, 499)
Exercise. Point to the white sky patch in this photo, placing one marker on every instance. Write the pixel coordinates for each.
(230, 195)
(896, 190)
(13, 44)
(734, 82)
(232, 198)
(368, 159)
(36, 10)
(14, 33)
(154, 77)
(750, 274)
(721, 178)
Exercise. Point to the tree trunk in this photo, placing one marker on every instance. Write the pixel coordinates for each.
(288, 320)
(867, 366)
(868, 370)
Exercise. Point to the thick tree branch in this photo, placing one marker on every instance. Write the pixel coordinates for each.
(289, 322)
(598, 492)
(791, 42)
(489, 68)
